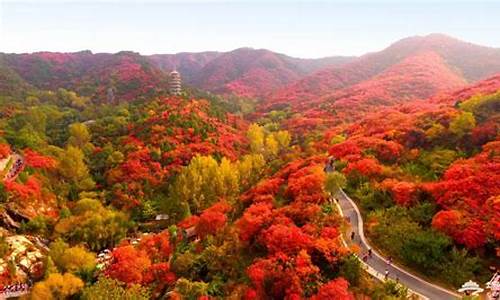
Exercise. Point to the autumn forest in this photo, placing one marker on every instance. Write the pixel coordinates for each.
(115, 186)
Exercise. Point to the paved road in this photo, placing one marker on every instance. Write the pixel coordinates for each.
(379, 264)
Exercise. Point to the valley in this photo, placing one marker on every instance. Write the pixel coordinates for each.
(265, 177)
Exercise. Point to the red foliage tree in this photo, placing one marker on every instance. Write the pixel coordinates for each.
(129, 265)
(388, 151)
(491, 212)
(306, 185)
(329, 232)
(160, 273)
(189, 222)
(139, 166)
(329, 249)
(253, 220)
(404, 193)
(336, 289)
(157, 246)
(264, 191)
(347, 149)
(4, 150)
(30, 190)
(250, 294)
(484, 133)
(300, 212)
(464, 229)
(282, 277)
(366, 167)
(474, 235)
(36, 160)
(219, 207)
(470, 181)
(212, 219)
(283, 238)
(210, 222)
(448, 221)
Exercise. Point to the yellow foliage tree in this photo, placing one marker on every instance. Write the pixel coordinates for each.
(255, 135)
(272, 146)
(435, 131)
(93, 224)
(250, 168)
(462, 124)
(79, 135)
(228, 179)
(283, 138)
(204, 181)
(267, 143)
(73, 168)
(57, 286)
(72, 259)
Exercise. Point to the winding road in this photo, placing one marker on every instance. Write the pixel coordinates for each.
(377, 264)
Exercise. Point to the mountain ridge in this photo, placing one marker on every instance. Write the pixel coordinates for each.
(208, 70)
(365, 67)
(255, 73)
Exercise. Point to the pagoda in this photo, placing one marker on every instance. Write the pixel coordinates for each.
(175, 83)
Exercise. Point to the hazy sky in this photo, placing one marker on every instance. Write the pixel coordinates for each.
(300, 28)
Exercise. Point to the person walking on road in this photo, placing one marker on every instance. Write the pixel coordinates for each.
(386, 274)
(352, 236)
(370, 253)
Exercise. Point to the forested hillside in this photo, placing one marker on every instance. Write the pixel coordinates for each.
(243, 72)
(467, 61)
(201, 196)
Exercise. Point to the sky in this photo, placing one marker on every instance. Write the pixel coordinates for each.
(306, 29)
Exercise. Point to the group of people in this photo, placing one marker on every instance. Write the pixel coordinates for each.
(330, 165)
(367, 255)
(14, 170)
(14, 288)
(389, 263)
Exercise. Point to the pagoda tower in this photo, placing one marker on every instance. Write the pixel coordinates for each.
(175, 83)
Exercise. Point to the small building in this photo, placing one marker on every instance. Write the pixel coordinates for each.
(161, 217)
(470, 288)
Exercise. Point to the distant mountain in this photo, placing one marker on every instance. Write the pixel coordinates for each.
(415, 67)
(473, 62)
(245, 71)
(416, 77)
(468, 61)
(256, 72)
(187, 63)
(129, 74)
(11, 84)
